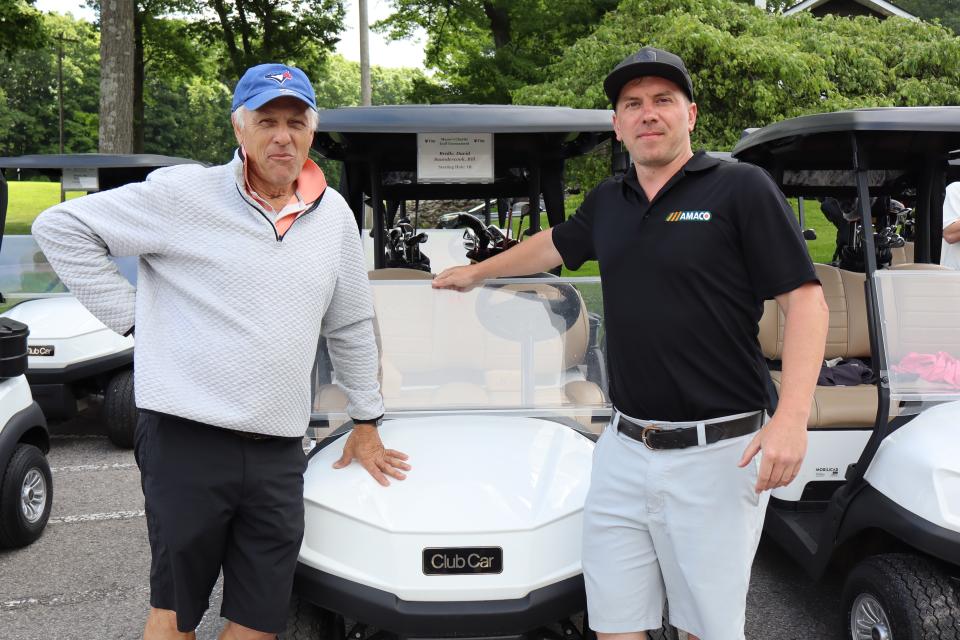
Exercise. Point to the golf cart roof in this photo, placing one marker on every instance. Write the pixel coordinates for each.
(463, 118)
(90, 161)
(901, 138)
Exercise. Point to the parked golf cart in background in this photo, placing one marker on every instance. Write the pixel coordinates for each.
(879, 490)
(72, 355)
(26, 486)
(496, 395)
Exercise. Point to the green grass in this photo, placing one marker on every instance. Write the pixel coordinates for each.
(27, 199)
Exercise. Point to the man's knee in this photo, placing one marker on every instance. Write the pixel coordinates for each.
(635, 635)
(234, 631)
(162, 625)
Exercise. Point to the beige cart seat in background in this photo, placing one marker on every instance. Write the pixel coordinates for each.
(847, 337)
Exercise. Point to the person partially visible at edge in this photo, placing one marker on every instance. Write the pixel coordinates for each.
(689, 247)
(950, 247)
(242, 268)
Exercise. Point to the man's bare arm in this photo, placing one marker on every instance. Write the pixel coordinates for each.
(784, 439)
(951, 233)
(536, 254)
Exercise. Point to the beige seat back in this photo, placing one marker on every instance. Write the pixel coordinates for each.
(847, 336)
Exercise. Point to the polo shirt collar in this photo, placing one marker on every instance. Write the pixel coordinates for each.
(700, 161)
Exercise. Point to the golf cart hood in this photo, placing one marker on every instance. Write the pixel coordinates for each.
(477, 483)
(918, 466)
(542, 474)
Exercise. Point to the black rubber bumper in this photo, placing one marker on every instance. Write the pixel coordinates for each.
(386, 611)
(872, 509)
(81, 370)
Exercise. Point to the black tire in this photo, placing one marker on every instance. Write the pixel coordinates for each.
(914, 593)
(306, 621)
(120, 409)
(16, 528)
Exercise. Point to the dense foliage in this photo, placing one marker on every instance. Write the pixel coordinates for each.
(751, 68)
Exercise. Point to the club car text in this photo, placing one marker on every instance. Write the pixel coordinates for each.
(461, 560)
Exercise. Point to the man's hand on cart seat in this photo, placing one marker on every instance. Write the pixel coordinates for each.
(364, 445)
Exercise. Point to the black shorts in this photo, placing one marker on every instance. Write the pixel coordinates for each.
(216, 499)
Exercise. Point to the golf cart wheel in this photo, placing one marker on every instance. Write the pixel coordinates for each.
(26, 493)
(900, 597)
(120, 409)
(306, 621)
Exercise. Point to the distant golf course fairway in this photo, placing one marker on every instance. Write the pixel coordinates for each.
(28, 199)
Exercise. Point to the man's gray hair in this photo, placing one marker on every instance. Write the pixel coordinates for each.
(239, 117)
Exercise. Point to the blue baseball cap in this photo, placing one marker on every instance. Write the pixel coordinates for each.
(266, 82)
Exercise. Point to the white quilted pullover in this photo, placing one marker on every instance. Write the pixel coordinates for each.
(228, 316)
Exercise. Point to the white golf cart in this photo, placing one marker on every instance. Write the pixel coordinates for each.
(72, 355)
(878, 496)
(26, 488)
(497, 396)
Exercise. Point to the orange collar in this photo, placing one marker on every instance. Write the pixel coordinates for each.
(310, 184)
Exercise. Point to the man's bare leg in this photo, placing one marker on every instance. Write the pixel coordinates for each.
(635, 635)
(640, 635)
(162, 625)
(234, 631)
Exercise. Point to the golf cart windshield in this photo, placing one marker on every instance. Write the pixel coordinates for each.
(524, 346)
(920, 326)
(25, 273)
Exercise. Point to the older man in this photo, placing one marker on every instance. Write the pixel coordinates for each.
(689, 248)
(243, 267)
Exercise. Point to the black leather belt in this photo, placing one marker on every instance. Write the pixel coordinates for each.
(655, 437)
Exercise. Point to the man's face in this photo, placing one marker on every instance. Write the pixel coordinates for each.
(653, 119)
(276, 138)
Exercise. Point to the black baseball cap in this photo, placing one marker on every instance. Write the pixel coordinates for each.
(648, 62)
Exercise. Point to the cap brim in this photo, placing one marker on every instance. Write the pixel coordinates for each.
(263, 98)
(614, 82)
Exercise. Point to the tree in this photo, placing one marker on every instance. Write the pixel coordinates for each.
(29, 115)
(256, 31)
(484, 49)
(21, 26)
(116, 76)
(946, 11)
(751, 68)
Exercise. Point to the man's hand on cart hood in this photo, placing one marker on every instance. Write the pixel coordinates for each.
(364, 445)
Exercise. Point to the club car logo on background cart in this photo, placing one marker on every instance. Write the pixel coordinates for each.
(689, 216)
(40, 350)
(460, 560)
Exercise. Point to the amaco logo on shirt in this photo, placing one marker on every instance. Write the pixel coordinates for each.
(689, 216)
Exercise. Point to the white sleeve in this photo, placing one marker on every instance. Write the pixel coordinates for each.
(77, 236)
(951, 205)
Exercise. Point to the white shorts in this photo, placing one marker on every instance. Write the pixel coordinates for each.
(679, 524)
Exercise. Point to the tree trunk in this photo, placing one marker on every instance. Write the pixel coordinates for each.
(116, 76)
(139, 65)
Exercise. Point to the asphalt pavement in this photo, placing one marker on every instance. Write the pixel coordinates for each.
(87, 576)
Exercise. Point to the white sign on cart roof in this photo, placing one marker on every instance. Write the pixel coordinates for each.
(455, 157)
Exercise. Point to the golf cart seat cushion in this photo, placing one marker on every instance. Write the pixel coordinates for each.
(836, 407)
(847, 335)
(902, 255)
(918, 266)
(396, 273)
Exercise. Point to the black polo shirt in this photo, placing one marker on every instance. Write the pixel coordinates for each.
(684, 279)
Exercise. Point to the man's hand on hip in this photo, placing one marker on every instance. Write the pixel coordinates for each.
(364, 445)
(784, 444)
